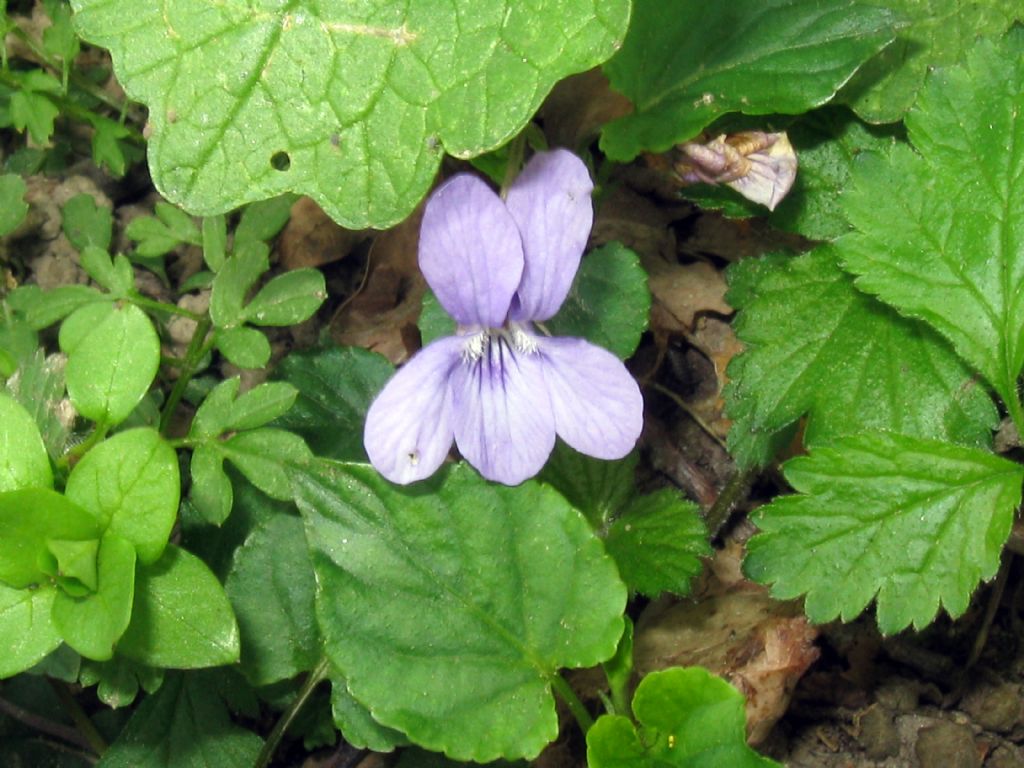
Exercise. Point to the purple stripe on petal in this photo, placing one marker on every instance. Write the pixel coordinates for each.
(503, 423)
(470, 252)
(408, 430)
(597, 404)
(550, 202)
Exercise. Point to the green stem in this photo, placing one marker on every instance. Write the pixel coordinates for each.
(81, 720)
(98, 433)
(1013, 407)
(315, 677)
(516, 149)
(568, 695)
(718, 514)
(197, 349)
(160, 306)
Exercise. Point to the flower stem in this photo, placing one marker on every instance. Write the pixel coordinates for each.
(516, 149)
(572, 701)
(197, 349)
(315, 677)
(81, 720)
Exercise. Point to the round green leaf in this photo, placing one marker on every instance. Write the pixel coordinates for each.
(688, 718)
(449, 606)
(92, 623)
(27, 634)
(29, 518)
(244, 347)
(131, 484)
(609, 301)
(113, 354)
(23, 459)
(351, 104)
(288, 299)
(181, 617)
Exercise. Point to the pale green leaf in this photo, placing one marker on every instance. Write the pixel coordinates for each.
(685, 64)
(946, 246)
(288, 299)
(450, 605)
(44, 308)
(817, 347)
(27, 634)
(687, 718)
(211, 492)
(244, 347)
(912, 523)
(23, 459)
(236, 276)
(353, 105)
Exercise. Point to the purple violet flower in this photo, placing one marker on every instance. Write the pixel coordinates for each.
(498, 388)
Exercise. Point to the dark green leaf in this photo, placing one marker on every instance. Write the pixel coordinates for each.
(596, 488)
(86, 223)
(12, 203)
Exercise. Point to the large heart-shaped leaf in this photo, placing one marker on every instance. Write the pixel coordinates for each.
(353, 104)
(449, 606)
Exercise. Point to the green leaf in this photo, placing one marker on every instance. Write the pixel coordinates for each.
(39, 387)
(818, 347)
(44, 308)
(658, 542)
(336, 386)
(113, 355)
(211, 491)
(234, 279)
(59, 39)
(687, 717)
(263, 219)
(184, 725)
(271, 586)
(288, 299)
(181, 617)
(355, 722)
(445, 613)
(13, 207)
(914, 523)
(609, 301)
(244, 347)
(92, 623)
(828, 142)
(262, 455)
(131, 484)
(684, 65)
(86, 223)
(221, 412)
(938, 34)
(109, 148)
(23, 459)
(27, 634)
(945, 249)
(434, 322)
(595, 487)
(414, 757)
(115, 274)
(35, 112)
(29, 518)
(117, 681)
(352, 106)
(152, 236)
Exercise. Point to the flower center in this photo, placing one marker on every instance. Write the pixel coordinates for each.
(517, 338)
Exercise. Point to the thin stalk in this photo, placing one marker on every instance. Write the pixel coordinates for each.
(1016, 411)
(160, 306)
(314, 678)
(516, 149)
(197, 349)
(572, 701)
(81, 720)
(737, 487)
(98, 433)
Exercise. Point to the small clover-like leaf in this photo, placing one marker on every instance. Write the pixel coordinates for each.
(937, 34)
(657, 543)
(262, 456)
(816, 346)
(288, 299)
(86, 223)
(12, 203)
(336, 387)
(211, 492)
(131, 484)
(113, 355)
(272, 587)
(118, 680)
(445, 614)
(44, 308)
(945, 246)
(244, 347)
(914, 523)
(181, 617)
(688, 718)
(351, 105)
(609, 301)
(23, 459)
(92, 623)
(685, 64)
(27, 633)
(235, 277)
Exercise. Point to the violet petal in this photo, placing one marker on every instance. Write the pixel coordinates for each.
(550, 202)
(470, 252)
(597, 405)
(503, 423)
(408, 430)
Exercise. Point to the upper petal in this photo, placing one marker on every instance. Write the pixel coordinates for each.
(503, 423)
(550, 202)
(408, 430)
(596, 403)
(470, 251)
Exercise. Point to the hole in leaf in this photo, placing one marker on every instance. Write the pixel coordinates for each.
(280, 161)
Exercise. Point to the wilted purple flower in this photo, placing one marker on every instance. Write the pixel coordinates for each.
(498, 388)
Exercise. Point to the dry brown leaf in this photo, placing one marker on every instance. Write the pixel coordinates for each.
(311, 238)
(680, 292)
